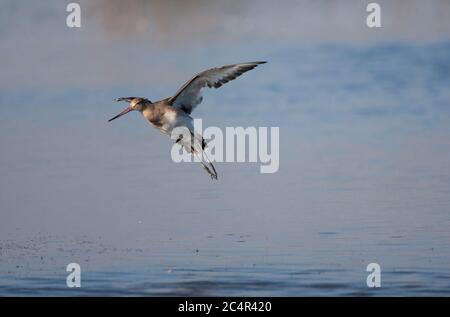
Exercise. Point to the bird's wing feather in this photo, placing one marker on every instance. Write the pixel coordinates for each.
(189, 95)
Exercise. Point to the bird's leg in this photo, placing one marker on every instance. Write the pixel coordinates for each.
(201, 155)
(213, 173)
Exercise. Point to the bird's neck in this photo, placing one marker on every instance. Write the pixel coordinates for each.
(147, 111)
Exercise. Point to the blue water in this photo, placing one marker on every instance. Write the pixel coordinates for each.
(364, 158)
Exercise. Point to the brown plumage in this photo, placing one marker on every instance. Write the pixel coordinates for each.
(173, 112)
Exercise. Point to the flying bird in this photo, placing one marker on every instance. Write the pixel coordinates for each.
(175, 112)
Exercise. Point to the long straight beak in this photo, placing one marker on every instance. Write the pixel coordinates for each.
(124, 111)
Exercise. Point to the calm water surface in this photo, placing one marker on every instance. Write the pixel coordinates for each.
(364, 155)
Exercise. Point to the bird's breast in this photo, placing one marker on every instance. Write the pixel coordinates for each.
(166, 119)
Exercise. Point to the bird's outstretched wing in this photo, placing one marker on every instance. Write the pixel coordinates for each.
(189, 95)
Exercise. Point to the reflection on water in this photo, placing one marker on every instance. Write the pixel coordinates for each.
(364, 155)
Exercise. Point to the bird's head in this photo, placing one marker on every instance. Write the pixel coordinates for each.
(135, 103)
